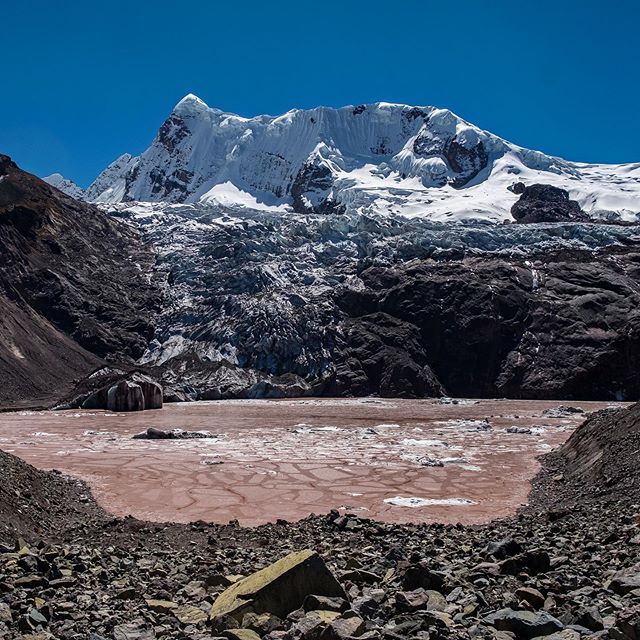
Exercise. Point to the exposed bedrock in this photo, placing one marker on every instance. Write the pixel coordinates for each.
(545, 203)
(565, 325)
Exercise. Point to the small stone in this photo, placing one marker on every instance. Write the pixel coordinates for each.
(360, 576)
(261, 623)
(133, 632)
(188, 614)
(501, 549)
(240, 634)
(161, 606)
(532, 596)
(5, 613)
(343, 627)
(314, 603)
(313, 623)
(589, 618)
(410, 601)
(30, 582)
(36, 618)
(565, 634)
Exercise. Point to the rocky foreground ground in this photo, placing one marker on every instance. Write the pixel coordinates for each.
(565, 567)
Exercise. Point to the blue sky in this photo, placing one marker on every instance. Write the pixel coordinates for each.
(83, 82)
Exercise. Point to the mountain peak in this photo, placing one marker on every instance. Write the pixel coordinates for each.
(380, 157)
(65, 185)
(190, 104)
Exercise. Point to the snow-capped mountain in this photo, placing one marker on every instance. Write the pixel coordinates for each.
(376, 158)
(65, 185)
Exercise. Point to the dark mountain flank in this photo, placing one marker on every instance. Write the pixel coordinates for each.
(75, 288)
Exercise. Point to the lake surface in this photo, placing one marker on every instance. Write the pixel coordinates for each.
(289, 458)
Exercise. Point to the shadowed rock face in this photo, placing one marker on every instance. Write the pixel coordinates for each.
(564, 325)
(545, 203)
(382, 354)
(75, 287)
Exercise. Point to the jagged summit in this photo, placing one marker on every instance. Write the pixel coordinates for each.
(372, 158)
(69, 187)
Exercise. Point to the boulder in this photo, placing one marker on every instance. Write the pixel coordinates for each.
(525, 624)
(279, 588)
(627, 624)
(622, 583)
(546, 203)
(135, 392)
(125, 396)
(174, 434)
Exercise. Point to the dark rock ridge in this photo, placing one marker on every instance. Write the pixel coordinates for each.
(565, 567)
(76, 287)
(545, 203)
(277, 305)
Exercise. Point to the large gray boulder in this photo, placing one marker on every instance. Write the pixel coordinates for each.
(135, 392)
(524, 624)
(278, 589)
(125, 396)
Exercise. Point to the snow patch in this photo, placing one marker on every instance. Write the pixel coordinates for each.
(413, 502)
